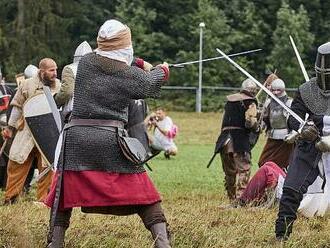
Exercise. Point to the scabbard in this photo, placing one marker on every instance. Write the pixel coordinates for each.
(58, 189)
(211, 160)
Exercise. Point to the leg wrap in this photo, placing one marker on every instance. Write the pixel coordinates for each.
(151, 214)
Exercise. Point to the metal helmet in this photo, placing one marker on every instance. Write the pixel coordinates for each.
(30, 71)
(249, 86)
(322, 66)
(278, 84)
(81, 50)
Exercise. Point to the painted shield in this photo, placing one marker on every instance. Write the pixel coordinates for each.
(40, 120)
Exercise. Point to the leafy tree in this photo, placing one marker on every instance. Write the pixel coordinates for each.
(147, 43)
(282, 57)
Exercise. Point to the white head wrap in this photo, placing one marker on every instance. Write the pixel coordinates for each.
(109, 30)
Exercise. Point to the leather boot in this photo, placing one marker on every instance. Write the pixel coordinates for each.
(57, 239)
(160, 235)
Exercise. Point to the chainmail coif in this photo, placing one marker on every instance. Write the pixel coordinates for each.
(316, 99)
(103, 90)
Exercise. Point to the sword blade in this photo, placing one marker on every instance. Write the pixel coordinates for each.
(41, 175)
(215, 58)
(301, 64)
(294, 115)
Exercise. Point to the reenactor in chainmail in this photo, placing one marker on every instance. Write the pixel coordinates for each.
(96, 174)
(239, 119)
(64, 98)
(276, 149)
(311, 154)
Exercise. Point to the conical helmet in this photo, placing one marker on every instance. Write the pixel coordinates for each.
(81, 50)
(248, 86)
(30, 71)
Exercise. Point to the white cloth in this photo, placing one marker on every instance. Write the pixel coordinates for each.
(109, 29)
(58, 151)
(160, 141)
(317, 202)
(279, 187)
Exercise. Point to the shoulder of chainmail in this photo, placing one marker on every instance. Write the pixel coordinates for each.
(315, 99)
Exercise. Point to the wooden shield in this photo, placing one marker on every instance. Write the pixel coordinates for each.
(42, 125)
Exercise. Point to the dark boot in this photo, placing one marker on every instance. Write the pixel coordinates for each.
(160, 235)
(283, 228)
(287, 213)
(57, 237)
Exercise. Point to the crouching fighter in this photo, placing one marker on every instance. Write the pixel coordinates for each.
(311, 152)
(95, 175)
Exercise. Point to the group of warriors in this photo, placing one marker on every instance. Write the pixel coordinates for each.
(97, 158)
(101, 95)
(294, 165)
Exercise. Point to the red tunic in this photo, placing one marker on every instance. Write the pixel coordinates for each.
(265, 177)
(99, 188)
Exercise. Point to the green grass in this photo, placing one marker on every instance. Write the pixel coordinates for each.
(191, 197)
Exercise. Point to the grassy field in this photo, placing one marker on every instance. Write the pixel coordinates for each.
(191, 198)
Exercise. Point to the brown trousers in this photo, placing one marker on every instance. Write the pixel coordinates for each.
(237, 168)
(277, 151)
(150, 214)
(17, 174)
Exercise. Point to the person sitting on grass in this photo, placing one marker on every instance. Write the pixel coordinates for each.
(163, 134)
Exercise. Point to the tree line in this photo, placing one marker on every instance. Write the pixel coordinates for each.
(169, 31)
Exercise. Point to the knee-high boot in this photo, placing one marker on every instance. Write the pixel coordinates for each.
(161, 235)
(56, 236)
(287, 213)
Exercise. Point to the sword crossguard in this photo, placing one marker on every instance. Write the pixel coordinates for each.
(304, 123)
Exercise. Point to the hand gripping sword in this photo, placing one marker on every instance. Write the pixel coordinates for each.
(180, 65)
(292, 113)
(302, 67)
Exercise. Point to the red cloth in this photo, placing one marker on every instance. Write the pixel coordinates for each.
(139, 63)
(98, 188)
(266, 176)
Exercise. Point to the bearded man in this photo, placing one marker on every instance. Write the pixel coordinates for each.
(23, 149)
(97, 176)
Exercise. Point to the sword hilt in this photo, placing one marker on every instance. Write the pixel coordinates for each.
(304, 123)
